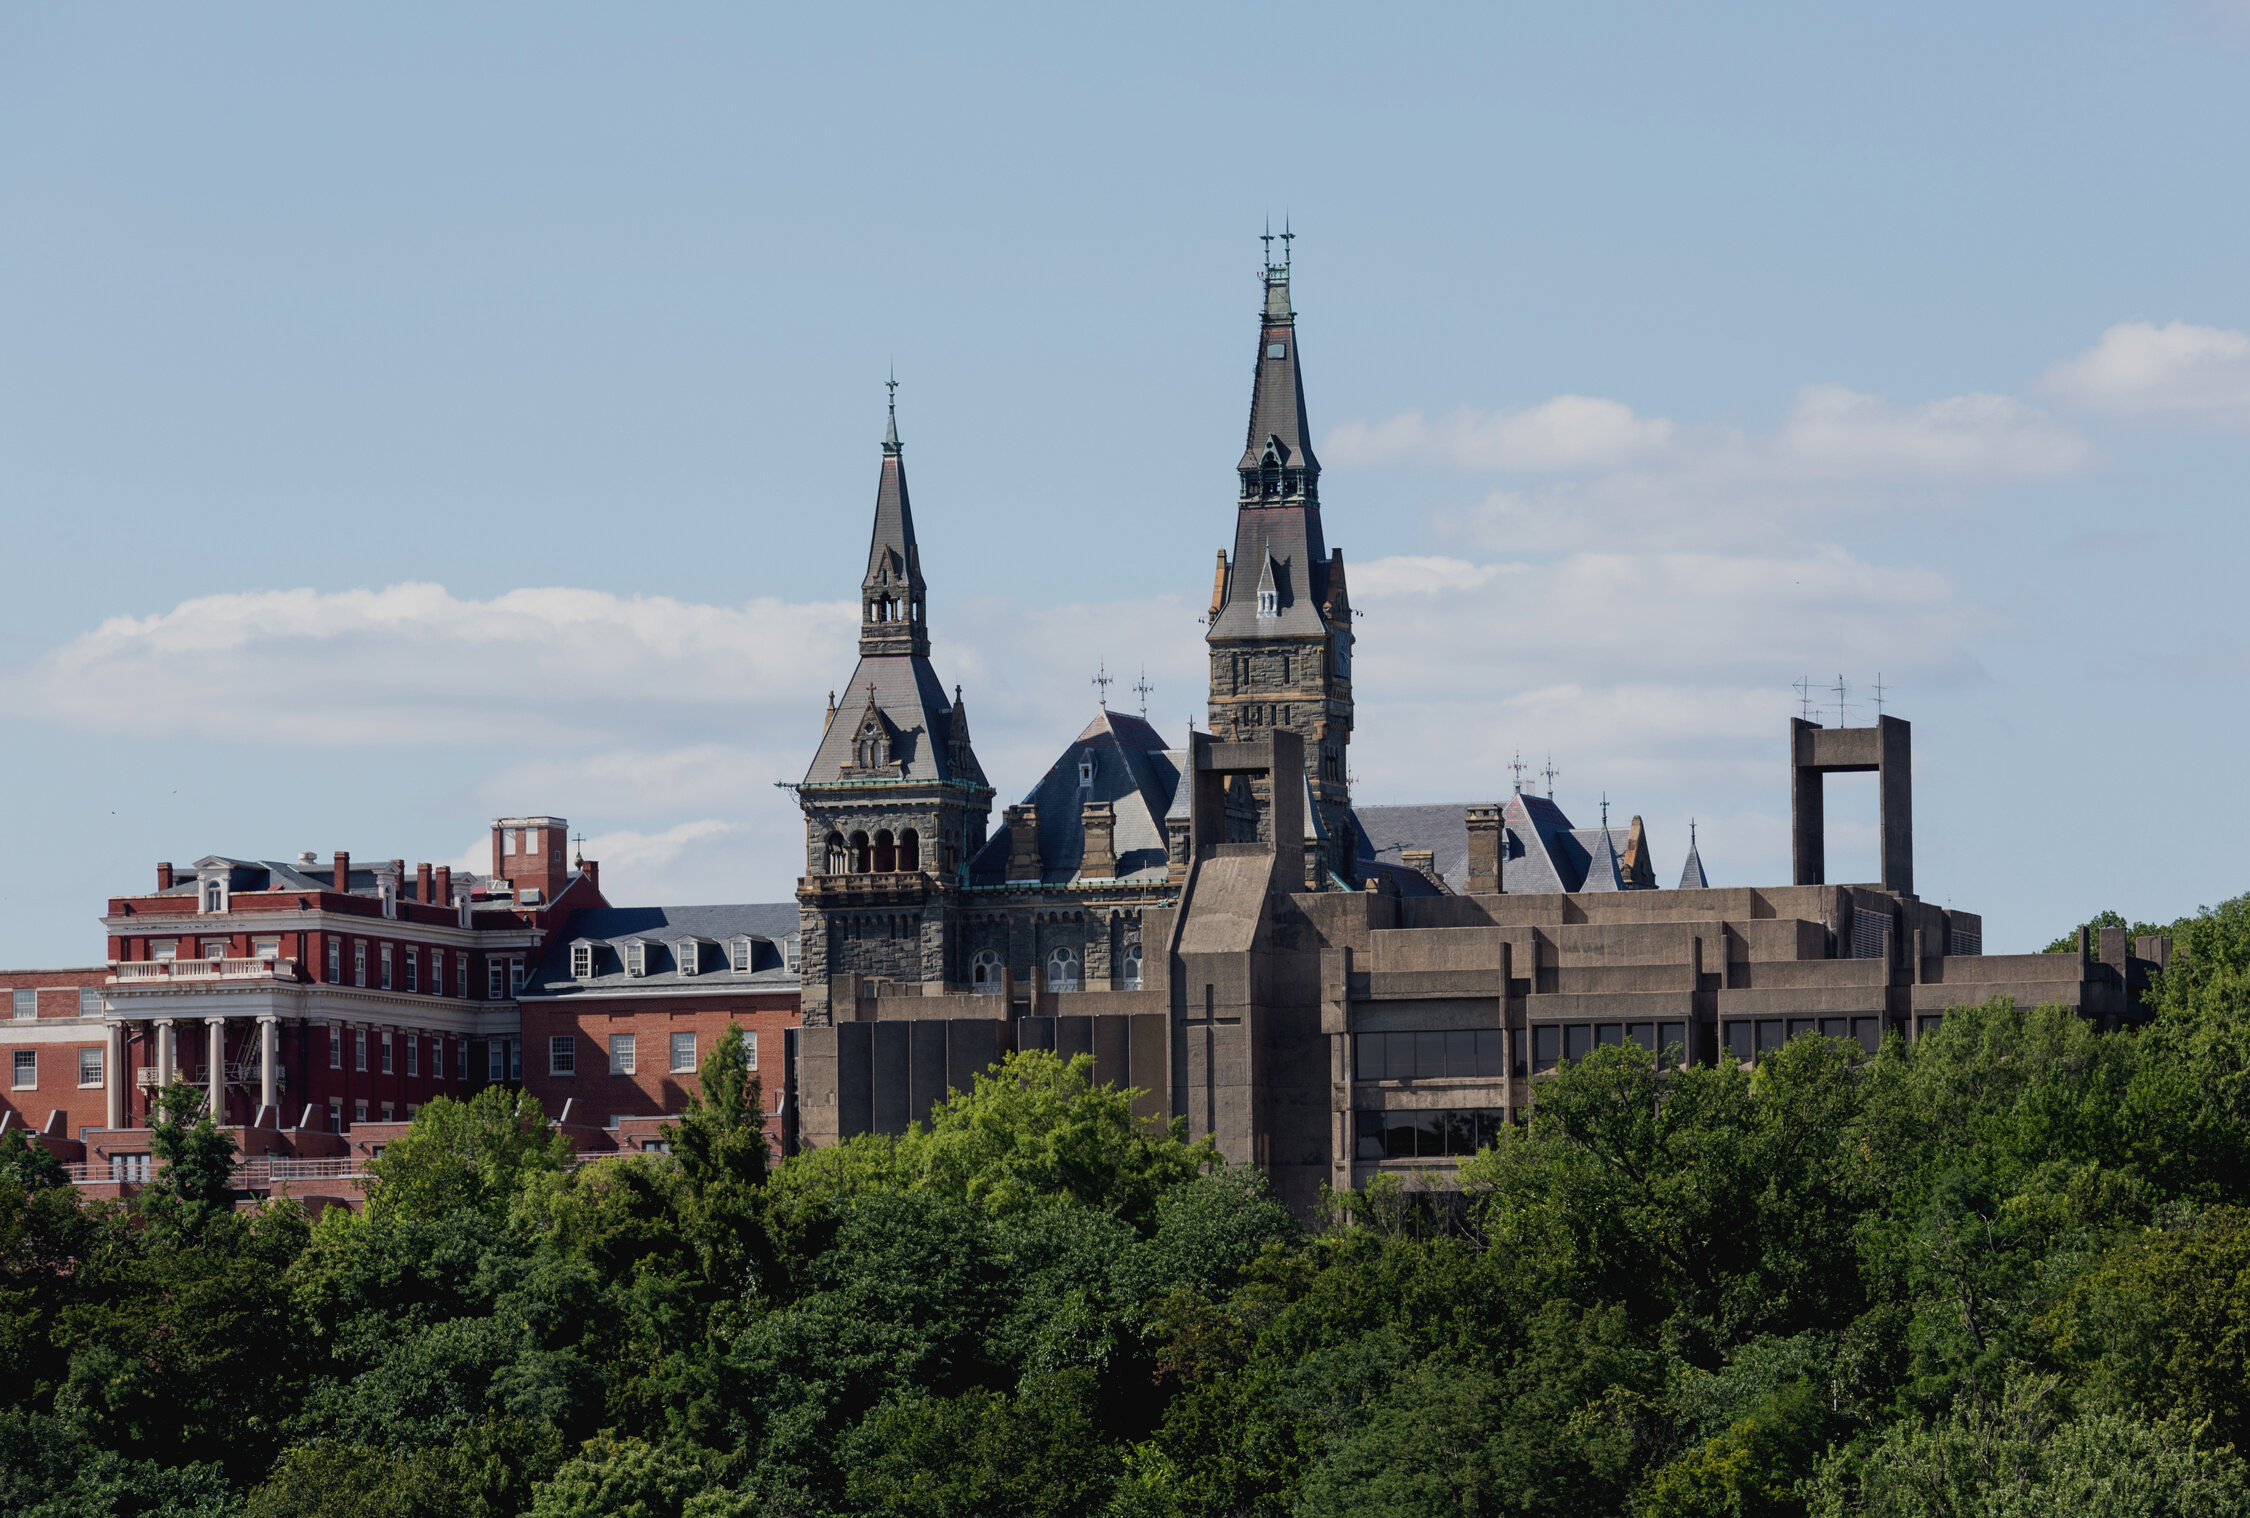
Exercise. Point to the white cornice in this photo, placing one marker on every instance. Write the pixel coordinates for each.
(453, 935)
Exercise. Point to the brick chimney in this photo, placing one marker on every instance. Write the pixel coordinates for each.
(1098, 820)
(164, 875)
(1484, 851)
(1023, 842)
(444, 886)
(592, 869)
(422, 883)
(343, 871)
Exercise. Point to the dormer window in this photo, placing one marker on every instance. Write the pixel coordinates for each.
(636, 958)
(214, 896)
(739, 956)
(1268, 603)
(581, 961)
(690, 955)
(1085, 767)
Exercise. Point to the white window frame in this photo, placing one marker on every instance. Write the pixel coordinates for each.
(562, 1056)
(461, 973)
(413, 1054)
(268, 949)
(216, 948)
(25, 1059)
(359, 962)
(359, 1051)
(335, 960)
(740, 956)
(95, 1056)
(515, 975)
(507, 841)
(1063, 954)
(636, 959)
(621, 1054)
(496, 1060)
(24, 1004)
(495, 979)
(1130, 967)
(386, 959)
(688, 955)
(581, 961)
(413, 969)
(678, 1041)
(164, 950)
(389, 1058)
(89, 1002)
(335, 1046)
(750, 1048)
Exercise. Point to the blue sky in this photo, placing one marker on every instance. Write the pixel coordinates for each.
(411, 415)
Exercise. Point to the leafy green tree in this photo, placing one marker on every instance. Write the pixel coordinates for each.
(28, 1164)
(1750, 1471)
(2106, 918)
(195, 1183)
(981, 1454)
(465, 1154)
(626, 1479)
(49, 1470)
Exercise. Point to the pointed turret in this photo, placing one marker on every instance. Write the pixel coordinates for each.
(1280, 634)
(1602, 873)
(891, 596)
(1692, 878)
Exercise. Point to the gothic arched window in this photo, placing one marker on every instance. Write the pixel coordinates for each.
(909, 851)
(1129, 970)
(984, 973)
(1062, 970)
(886, 857)
(860, 853)
(836, 858)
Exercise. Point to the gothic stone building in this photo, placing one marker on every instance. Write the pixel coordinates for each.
(1328, 993)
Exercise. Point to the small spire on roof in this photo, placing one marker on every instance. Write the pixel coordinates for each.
(890, 433)
(1103, 680)
(1143, 689)
(1605, 811)
(1550, 772)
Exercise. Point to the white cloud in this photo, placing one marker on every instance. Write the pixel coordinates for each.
(1835, 433)
(412, 665)
(1568, 432)
(2198, 374)
(1830, 434)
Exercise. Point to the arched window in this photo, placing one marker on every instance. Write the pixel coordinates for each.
(1062, 970)
(860, 854)
(1129, 971)
(1269, 475)
(984, 973)
(837, 860)
(886, 857)
(909, 851)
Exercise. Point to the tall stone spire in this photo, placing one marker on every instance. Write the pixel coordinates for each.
(891, 596)
(1281, 624)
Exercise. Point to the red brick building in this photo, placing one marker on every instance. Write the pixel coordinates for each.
(53, 1048)
(628, 1001)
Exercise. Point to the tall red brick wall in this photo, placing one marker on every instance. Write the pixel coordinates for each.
(653, 1088)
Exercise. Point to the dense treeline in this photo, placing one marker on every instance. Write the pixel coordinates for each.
(2004, 1272)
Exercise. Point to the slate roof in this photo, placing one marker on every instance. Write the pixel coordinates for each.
(609, 929)
(284, 875)
(909, 696)
(1132, 770)
(1692, 877)
(1541, 853)
(1602, 873)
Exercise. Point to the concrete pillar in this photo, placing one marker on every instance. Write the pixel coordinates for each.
(1808, 832)
(215, 1043)
(165, 1053)
(115, 1073)
(269, 1063)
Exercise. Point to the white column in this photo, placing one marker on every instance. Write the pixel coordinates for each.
(269, 1064)
(114, 1075)
(164, 1052)
(217, 1043)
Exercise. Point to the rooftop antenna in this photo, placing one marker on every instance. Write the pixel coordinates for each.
(1287, 237)
(1266, 237)
(1803, 688)
(1104, 680)
(1518, 766)
(1842, 705)
(1878, 696)
(1550, 772)
(1142, 690)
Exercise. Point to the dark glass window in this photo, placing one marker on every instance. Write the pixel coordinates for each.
(1739, 1041)
(1672, 1048)
(1800, 1025)
(1461, 1052)
(1609, 1035)
(1578, 1040)
(1643, 1034)
(1769, 1033)
(1491, 1052)
(1928, 1025)
(1835, 1027)
(1429, 1054)
(1546, 1046)
(1869, 1032)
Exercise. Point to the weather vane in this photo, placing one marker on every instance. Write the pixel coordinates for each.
(1143, 690)
(1518, 766)
(1550, 772)
(1103, 680)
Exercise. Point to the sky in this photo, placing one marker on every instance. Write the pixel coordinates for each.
(413, 415)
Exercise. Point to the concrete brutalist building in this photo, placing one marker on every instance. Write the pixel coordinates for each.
(1330, 991)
